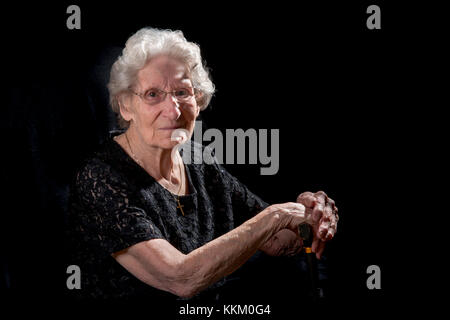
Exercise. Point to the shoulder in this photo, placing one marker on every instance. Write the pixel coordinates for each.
(98, 184)
(96, 163)
(100, 167)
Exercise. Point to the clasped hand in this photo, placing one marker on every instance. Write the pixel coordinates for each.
(320, 212)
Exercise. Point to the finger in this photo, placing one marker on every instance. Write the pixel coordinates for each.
(317, 212)
(333, 219)
(328, 211)
(333, 205)
(328, 200)
(323, 229)
(315, 244)
(305, 194)
(321, 196)
(330, 234)
(320, 249)
(307, 199)
(326, 221)
(332, 229)
(320, 206)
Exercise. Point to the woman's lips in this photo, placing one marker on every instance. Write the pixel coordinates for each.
(170, 128)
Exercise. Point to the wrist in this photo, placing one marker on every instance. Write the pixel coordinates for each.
(272, 220)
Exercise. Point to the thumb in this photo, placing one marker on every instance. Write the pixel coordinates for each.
(315, 244)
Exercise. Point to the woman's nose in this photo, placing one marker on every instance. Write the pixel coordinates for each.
(171, 107)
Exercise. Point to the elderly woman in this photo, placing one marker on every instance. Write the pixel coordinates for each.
(142, 221)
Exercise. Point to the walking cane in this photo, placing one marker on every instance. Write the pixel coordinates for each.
(315, 291)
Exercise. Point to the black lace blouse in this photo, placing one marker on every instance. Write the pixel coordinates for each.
(115, 204)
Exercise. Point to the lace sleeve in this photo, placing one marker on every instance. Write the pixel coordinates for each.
(106, 213)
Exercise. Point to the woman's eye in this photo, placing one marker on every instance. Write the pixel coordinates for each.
(181, 92)
(151, 94)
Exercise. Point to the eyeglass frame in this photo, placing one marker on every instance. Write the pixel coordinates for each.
(172, 93)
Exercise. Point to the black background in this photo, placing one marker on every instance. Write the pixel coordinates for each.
(341, 95)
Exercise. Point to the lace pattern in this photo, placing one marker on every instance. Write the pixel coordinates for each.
(115, 204)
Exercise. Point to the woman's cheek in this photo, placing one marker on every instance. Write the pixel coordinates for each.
(190, 112)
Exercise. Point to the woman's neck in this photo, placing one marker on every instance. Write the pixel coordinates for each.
(156, 161)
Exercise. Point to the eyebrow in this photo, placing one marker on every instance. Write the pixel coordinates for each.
(174, 88)
(177, 83)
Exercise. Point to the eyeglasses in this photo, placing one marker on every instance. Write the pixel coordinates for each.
(154, 96)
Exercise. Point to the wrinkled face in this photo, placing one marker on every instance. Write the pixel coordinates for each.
(154, 115)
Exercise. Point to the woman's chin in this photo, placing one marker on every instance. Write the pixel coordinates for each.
(170, 139)
(168, 143)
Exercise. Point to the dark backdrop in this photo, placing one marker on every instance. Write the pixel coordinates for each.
(339, 94)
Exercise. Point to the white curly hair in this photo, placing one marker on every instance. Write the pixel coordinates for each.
(150, 42)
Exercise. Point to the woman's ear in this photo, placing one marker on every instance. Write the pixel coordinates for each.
(125, 108)
(200, 101)
(197, 111)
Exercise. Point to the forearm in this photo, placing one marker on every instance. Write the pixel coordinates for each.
(159, 264)
(284, 242)
(220, 257)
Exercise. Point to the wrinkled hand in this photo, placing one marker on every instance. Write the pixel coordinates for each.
(283, 243)
(323, 212)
